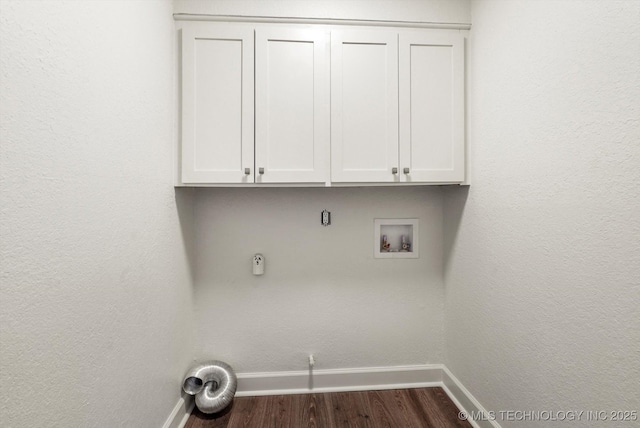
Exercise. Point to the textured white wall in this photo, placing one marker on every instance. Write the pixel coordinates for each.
(543, 259)
(95, 297)
(450, 11)
(323, 292)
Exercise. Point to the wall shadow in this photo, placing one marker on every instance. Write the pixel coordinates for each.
(184, 197)
(455, 199)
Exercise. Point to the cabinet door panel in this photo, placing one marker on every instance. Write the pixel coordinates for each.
(364, 106)
(431, 107)
(217, 107)
(292, 105)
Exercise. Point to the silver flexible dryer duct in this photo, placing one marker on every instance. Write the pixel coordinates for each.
(213, 383)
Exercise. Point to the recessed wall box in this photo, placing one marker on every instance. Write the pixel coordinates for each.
(395, 238)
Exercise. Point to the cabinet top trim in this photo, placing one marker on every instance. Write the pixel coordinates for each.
(321, 21)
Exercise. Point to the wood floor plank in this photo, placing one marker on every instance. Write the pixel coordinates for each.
(401, 408)
(283, 411)
(394, 408)
(316, 411)
(351, 410)
(249, 412)
(379, 411)
(437, 407)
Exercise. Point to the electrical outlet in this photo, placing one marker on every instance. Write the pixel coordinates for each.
(258, 264)
(325, 218)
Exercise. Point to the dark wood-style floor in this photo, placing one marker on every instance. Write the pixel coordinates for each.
(397, 408)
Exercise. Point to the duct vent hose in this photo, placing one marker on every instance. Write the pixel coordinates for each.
(213, 383)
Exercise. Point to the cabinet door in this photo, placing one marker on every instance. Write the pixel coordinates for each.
(217, 105)
(364, 106)
(292, 105)
(432, 107)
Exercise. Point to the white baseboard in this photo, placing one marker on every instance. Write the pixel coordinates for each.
(338, 380)
(180, 413)
(466, 402)
(359, 379)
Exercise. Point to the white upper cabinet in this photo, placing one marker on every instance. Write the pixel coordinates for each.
(330, 104)
(364, 106)
(432, 107)
(292, 105)
(217, 105)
